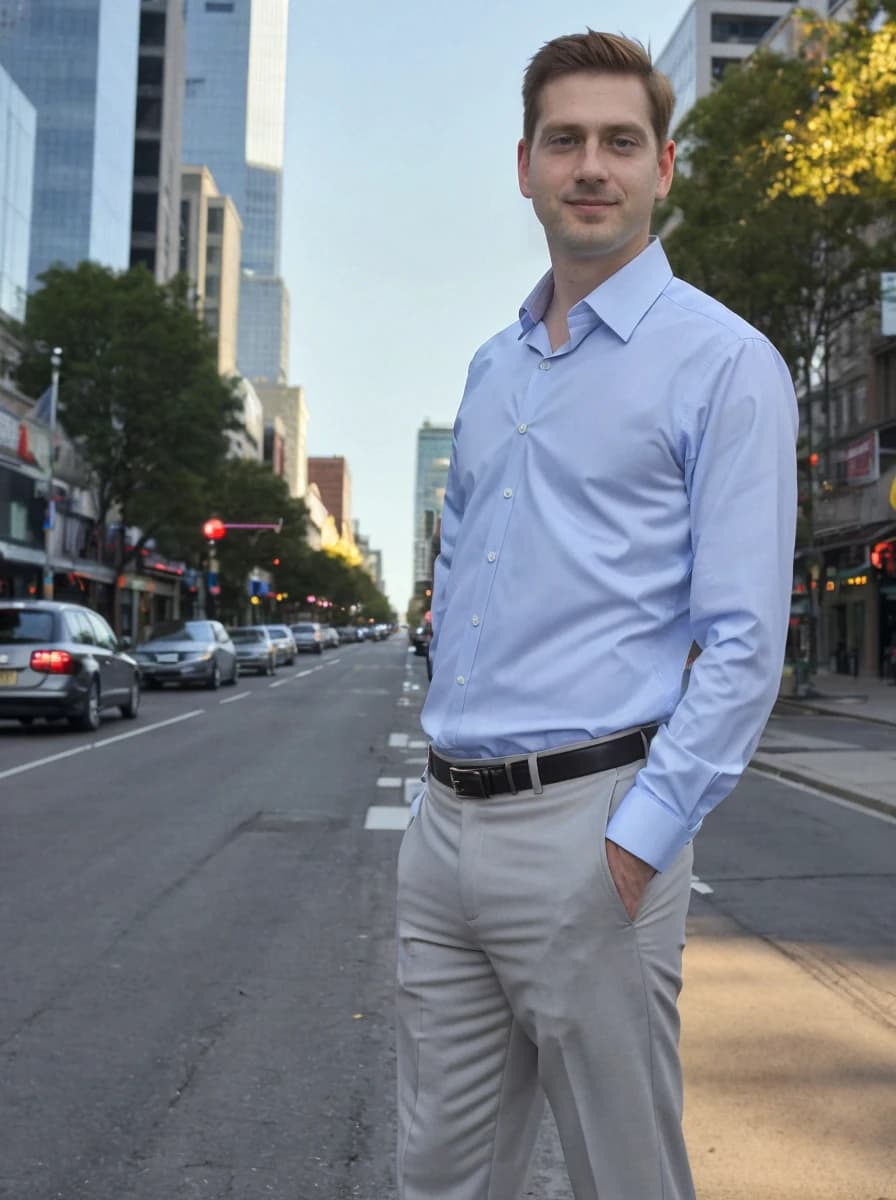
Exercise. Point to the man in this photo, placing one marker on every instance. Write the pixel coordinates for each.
(622, 484)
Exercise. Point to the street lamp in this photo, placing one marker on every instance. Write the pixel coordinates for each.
(50, 517)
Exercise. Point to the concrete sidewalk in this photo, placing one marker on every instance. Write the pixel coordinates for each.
(841, 767)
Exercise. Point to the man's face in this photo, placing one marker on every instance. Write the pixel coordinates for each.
(594, 169)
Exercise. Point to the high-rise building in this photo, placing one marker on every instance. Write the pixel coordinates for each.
(711, 36)
(234, 112)
(288, 403)
(210, 255)
(155, 219)
(334, 481)
(18, 129)
(433, 460)
(77, 64)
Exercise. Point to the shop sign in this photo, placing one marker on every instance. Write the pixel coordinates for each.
(863, 459)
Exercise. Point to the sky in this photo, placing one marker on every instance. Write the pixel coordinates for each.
(406, 242)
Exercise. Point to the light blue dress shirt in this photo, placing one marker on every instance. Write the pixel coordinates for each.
(607, 504)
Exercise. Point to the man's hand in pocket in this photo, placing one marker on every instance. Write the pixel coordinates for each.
(631, 876)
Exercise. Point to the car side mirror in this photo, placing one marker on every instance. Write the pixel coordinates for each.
(125, 643)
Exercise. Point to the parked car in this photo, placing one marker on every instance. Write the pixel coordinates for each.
(330, 636)
(308, 636)
(188, 652)
(284, 644)
(421, 637)
(255, 651)
(349, 633)
(61, 660)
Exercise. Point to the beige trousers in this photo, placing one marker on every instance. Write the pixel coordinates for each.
(520, 976)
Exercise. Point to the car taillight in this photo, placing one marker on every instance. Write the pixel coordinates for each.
(52, 662)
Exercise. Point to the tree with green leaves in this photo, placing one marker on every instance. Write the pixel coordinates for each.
(140, 395)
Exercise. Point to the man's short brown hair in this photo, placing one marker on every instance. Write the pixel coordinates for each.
(599, 53)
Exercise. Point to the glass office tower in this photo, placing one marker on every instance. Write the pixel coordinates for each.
(77, 64)
(234, 111)
(18, 130)
(433, 460)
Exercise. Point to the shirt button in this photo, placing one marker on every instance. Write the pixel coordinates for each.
(545, 364)
(475, 620)
(460, 680)
(522, 428)
(508, 492)
(491, 556)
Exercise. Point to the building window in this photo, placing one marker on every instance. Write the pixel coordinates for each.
(146, 159)
(218, 6)
(152, 28)
(215, 218)
(144, 212)
(151, 71)
(735, 27)
(721, 65)
(149, 114)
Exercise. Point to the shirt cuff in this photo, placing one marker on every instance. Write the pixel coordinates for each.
(648, 829)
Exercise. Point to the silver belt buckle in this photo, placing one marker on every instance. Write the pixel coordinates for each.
(469, 783)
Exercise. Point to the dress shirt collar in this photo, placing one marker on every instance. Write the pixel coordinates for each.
(619, 302)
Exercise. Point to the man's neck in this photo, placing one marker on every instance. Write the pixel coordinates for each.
(573, 281)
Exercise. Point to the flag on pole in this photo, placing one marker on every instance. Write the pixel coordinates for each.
(42, 412)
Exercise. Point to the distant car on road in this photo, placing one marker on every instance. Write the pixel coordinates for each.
(188, 652)
(421, 637)
(61, 660)
(308, 636)
(349, 633)
(254, 649)
(284, 643)
(330, 636)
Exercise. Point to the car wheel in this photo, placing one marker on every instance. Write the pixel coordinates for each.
(291, 661)
(214, 679)
(271, 668)
(318, 649)
(89, 717)
(132, 707)
(234, 678)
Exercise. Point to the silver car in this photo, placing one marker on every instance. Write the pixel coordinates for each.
(62, 660)
(254, 649)
(189, 652)
(308, 636)
(284, 643)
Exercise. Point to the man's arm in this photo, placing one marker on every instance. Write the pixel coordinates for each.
(741, 479)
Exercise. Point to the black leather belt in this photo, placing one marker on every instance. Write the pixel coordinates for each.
(513, 775)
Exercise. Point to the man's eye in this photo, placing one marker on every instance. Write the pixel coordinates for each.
(561, 140)
(624, 143)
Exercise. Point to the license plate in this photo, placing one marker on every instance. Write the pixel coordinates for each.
(166, 658)
(8, 678)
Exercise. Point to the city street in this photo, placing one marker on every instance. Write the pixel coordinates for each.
(196, 923)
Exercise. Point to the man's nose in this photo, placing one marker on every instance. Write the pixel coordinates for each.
(591, 166)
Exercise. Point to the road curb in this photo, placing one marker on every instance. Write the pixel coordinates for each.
(806, 706)
(819, 785)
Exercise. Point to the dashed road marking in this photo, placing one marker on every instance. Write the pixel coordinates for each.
(388, 781)
(398, 739)
(98, 745)
(233, 699)
(417, 745)
(697, 885)
(387, 817)
(302, 674)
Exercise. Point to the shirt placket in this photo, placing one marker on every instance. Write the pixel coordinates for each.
(506, 487)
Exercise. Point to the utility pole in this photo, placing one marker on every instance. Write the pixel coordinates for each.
(50, 517)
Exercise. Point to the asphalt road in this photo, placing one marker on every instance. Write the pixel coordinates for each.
(196, 948)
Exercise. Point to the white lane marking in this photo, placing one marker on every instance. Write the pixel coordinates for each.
(233, 699)
(387, 781)
(398, 739)
(51, 758)
(279, 683)
(387, 817)
(320, 668)
(403, 702)
(333, 662)
(806, 787)
(417, 745)
(302, 674)
(697, 885)
(412, 788)
(413, 762)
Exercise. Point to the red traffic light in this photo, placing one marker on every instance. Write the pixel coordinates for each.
(213, 529)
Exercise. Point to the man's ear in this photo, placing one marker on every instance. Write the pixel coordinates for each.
(522, 167)
(666, 171)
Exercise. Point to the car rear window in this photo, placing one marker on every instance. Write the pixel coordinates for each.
(307, 628)
(25, 625)
(183, 631)
(246, 635)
